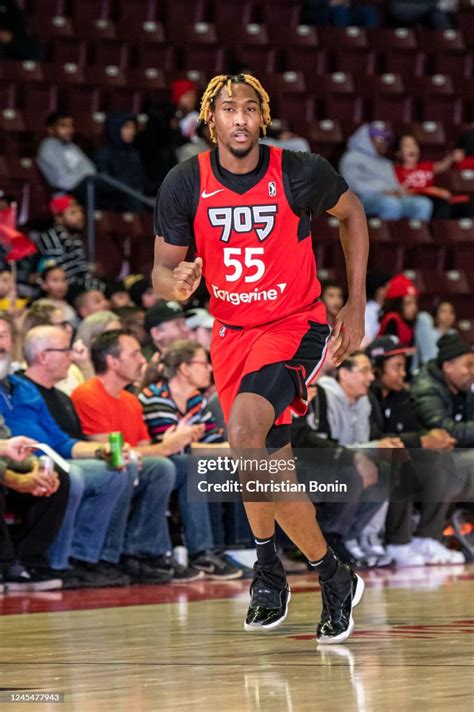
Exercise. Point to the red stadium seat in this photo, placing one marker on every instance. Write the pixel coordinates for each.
(466, 329)
(110, 53)
(344, 38)
(408, 64)
(257, 58)
(372, 85)
(22, 72)
(39, 101)
(445, 109)
(69, 51)
(433, 41)
(289, 83)
(150, 79)
(392, 108)
(211, 60)
(460, 181)
(301, 36)
(396, 38)
(312, 62)
(421, 250)
(357, 61)
(454, 231)
(49, 27)
(335, 83)
(345, 108)
(280, 17)
(126, 99)
(106, 76)
(80, 100)
(64, 74)
(296, 109)
(198, 33)
(139, 20)
(254, 34)
(429, 133)
(383, 249)
(437, 84)
(139, 10)
(181, 12)
(454, 64)
(157, 57)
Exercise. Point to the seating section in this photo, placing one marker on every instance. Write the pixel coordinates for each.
(103, 55)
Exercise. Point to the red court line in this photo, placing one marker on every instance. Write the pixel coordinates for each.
(89, 599)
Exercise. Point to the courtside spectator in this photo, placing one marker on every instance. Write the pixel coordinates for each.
(339, 13)
(429, 453)
(141, 291)
(40, 499)
(104, 405)
(200, 323)
(96, 324)
(436, 14)
(90, 301)
(54, 285)
(372, 177)
(165, 322)
(64, 165)
(117, 294)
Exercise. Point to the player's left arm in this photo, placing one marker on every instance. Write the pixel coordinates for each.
(348, 329)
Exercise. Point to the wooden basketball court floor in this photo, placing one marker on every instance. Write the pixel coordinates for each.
(182, 647)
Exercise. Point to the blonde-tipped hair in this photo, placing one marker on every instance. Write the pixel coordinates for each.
(227, 80)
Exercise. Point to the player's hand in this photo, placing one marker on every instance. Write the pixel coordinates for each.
(187, 276)
(18, 448)
(348, 331)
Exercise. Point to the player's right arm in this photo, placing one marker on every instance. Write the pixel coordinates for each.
(172, 276)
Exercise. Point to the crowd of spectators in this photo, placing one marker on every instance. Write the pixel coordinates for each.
(81, 357)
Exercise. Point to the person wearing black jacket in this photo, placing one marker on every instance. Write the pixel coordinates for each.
(393, 410)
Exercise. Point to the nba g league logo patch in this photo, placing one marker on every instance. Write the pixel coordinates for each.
(272, 189)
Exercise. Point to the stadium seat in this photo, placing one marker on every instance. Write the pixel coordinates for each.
(157, 57)
(466, 329)
(384, 250)
(334, 83)
(198, 33)
(257, 58)
(392, 108)
(78, 100)
(429, 133)
(445, 109)
(356, 61)
(312, 62)
(126, 99)
(64, 74)
(39, 101)
(344, 38)
(421, 250)
(150, 79)
(454, 231)
(454, 64)
(301, 36)
(49, 27)
(297, 109)
(375, 84)
(139, 20)
(22, 72)
(139, 10)
(347, 108)
(436, 84)
(110, 53)
(211, 60)
(460, 181)
(434, 41)
(69, 51)
(106, 76)
(280, 18)
(180, 13)
(408, 64)
(289, 83)
(396, 38)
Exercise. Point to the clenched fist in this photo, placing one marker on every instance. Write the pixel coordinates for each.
(187, 276)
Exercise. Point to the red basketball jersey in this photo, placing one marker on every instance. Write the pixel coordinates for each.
(257, 266)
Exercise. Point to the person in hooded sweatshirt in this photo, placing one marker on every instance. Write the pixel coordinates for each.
(372, 177)
(119, 159)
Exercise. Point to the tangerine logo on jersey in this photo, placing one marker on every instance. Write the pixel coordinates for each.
(257, 295)
(244, 219)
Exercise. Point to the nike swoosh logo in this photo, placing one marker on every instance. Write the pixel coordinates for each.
(209, 195)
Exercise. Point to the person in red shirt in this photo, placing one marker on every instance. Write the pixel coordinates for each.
(103, 406)
(240, 215)
(419, 176)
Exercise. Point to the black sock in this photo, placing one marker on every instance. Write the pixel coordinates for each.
(266, 550)
(326, 566)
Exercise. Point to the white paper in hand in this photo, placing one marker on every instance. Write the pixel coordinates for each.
(60, 461)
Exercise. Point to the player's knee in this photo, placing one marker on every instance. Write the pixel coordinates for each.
(245, 434)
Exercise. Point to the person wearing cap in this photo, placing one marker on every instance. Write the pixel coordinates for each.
(141, 291)
(64, 165)
(165, 322)
(400, 310)
(200, 323)
(63, 243)
(372, 177)
(444, 398)
(443, 390)
(429, 452)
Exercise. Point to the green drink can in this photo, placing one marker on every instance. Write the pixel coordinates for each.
(116, 450)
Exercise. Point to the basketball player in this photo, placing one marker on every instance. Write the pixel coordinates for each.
(244, 210)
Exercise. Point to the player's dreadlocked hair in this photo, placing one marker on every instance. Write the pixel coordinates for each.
(209, 97)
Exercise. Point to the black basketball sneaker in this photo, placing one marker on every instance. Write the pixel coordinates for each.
(270, 595)
(340, 594)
